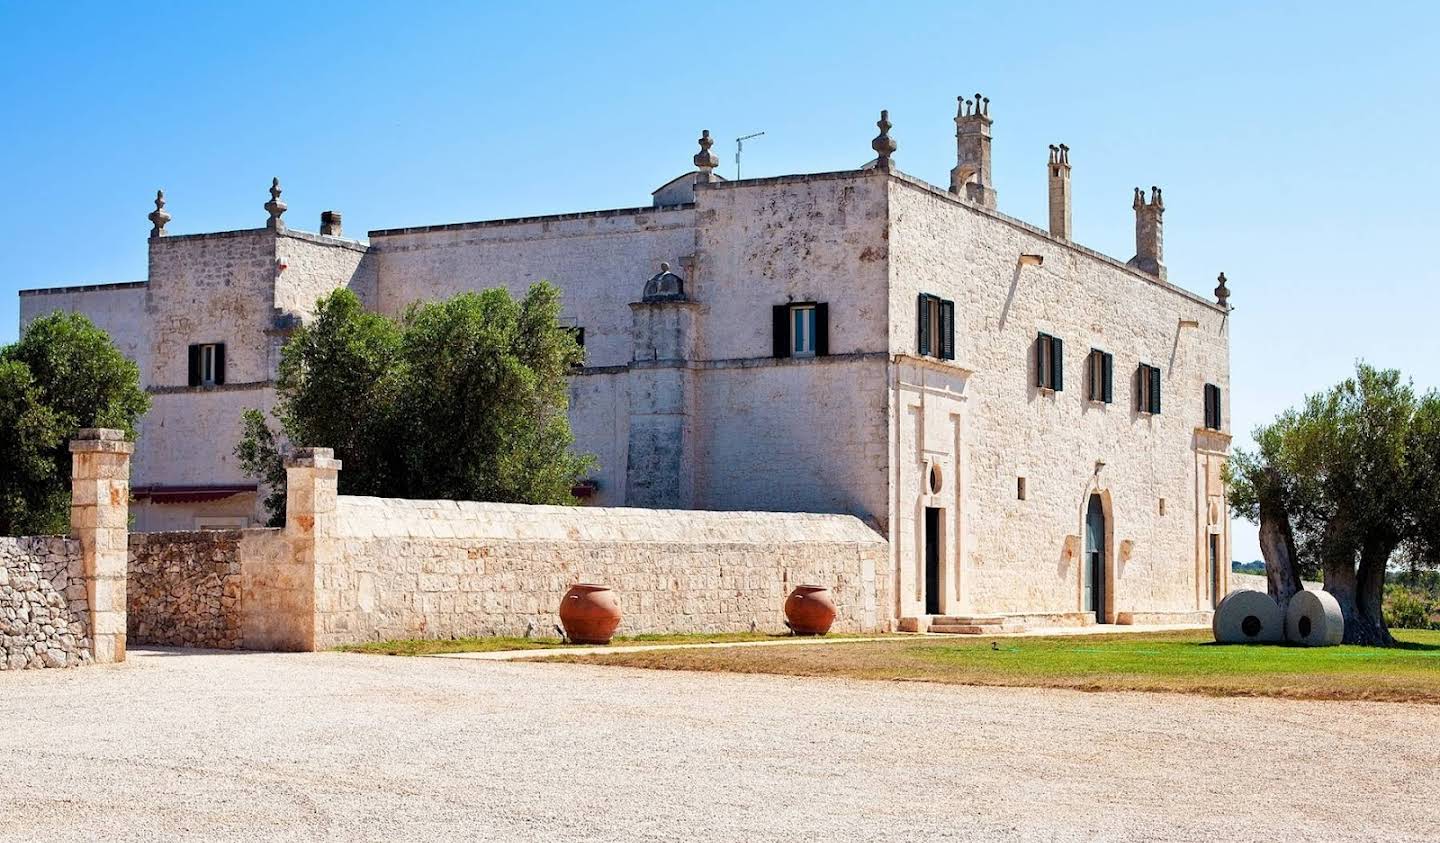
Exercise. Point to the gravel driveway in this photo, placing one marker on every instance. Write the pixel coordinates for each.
(242, 746)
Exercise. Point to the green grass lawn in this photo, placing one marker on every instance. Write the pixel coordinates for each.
(491, 644)
(1187, 662)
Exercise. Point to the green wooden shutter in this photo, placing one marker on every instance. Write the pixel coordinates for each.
(780, 325)
(1107, 378)
(220, 363)
(1155, 390)
(947, 330)
(1219, 418)
(1042, 341)
(194, 365)
(924, 325)
(822, 329)
(1057, 364)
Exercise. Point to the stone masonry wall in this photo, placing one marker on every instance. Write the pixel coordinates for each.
(184, 589)
(43, 604)
(409, 569)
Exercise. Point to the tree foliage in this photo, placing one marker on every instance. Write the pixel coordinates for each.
(1350, 481)
(463, 399)
(64, 374)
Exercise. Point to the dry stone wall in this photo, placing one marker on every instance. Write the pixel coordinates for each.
(184, 589)
(410, 569)
(43, 604)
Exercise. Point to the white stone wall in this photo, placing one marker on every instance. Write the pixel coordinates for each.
(771, 241)
(600, 260)
(794, 436)
(316, 265)
(43, 603)
(117, 309)
(600, 421)
(1014, 558)
(440, 568)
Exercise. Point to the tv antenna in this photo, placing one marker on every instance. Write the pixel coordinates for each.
(739, 147)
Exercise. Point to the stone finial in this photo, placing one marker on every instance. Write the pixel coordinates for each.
(330, 223)
(1222, 293)
(705, 160)
(1139, 199)
(884, 145)
(159, 217)
(275, 206)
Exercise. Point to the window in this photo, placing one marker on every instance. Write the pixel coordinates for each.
(1020, 488)
(801, 329)
(579, 335)
(1049, 362)
(1147, 389)
(936, 328)
(1212, 406)
(207, 364)
(1100, 376)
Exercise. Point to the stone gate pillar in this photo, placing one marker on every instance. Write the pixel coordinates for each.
(296, 619)
(99, 520)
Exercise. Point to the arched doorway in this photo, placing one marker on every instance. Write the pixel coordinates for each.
(1093, 573)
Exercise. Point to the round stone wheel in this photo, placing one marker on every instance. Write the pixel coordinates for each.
(1248, 617)
(1314, 619)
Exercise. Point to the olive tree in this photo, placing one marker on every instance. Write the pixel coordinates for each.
(464, 399)
(63, 374)
(1341, 487)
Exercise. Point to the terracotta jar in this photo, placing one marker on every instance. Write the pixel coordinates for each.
(809, 610)
(589, 613)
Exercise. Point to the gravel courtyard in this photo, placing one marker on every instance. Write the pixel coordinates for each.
(340, 746)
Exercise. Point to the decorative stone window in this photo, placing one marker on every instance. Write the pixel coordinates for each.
(1049, 362)
(207, 364)
(1147, 389)
(801, 329)
(1100, 376)
(936, 327)
(1212, 407)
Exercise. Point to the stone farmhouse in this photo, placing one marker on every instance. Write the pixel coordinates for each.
(1037, 429)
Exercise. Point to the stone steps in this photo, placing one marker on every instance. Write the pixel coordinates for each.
(960, 624)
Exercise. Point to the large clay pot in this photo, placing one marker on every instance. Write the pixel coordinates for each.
(589, 613)
(809, 610)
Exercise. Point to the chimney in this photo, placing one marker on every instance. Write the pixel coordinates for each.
(1060, 191)
(330, 223)
(1149, 233)
(971, 176)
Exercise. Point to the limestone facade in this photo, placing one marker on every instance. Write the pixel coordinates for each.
(974, 466)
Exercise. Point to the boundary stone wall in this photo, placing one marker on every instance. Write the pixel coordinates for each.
(44, 609)
(184, 589)
(434, 568)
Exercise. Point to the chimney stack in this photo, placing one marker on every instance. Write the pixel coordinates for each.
(1149, 233)
(330, 223)
(1060, 191)
(971, 176)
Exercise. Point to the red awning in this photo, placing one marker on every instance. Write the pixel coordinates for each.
(190, 494)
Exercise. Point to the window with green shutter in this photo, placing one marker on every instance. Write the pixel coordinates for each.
(1100, 376)
(1049, 362)
(1213, 417)
(935, 327)
(1147, 389)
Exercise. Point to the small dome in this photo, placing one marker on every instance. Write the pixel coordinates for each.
(665, 286)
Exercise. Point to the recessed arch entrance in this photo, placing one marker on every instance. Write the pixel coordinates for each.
(1094, 576)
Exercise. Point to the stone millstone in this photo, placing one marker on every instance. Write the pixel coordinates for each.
(1248, 617)
(1314, 620)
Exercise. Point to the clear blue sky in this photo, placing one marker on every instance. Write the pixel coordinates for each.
(1296, 143)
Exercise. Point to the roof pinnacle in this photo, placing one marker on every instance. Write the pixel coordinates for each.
(705, 160)
(884, 145)
(275, 206)
(158, 217)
